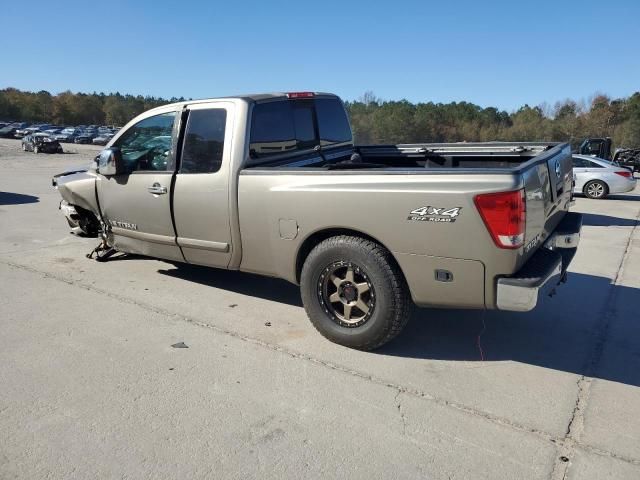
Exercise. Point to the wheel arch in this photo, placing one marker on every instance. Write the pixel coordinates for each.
(316, 237)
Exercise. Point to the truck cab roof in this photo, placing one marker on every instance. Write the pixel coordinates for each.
(257, 97)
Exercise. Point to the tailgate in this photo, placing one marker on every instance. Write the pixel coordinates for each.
(548, 183)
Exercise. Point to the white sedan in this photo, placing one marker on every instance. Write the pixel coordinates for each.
(597, 178)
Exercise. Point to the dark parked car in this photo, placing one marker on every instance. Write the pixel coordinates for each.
(7, 132)
(41, 142)
(85, 137)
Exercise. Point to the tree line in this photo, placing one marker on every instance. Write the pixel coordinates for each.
(69, 108)
(375, 120)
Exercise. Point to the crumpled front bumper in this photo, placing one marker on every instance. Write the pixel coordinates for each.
(70, 213)
(544, 271)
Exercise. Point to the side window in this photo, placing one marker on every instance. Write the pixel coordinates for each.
(281, 127)
(578, 163)
(147, 144)
(590, 164)
(203, 141)
(332, 122)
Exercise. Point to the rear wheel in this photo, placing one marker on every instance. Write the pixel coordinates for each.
(354, 293)
(596, 189)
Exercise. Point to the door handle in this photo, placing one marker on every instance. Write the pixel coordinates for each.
(157, 189)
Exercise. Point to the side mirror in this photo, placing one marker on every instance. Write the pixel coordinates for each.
(110, 162)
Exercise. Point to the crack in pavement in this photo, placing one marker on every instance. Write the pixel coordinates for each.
(403, 418)
(336, 367)
(575, 427)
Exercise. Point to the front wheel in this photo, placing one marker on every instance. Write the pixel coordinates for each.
(36, 149)
(354, 293)
(596, 189)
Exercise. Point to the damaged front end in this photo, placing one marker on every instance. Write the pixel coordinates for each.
(79, 202)
(80, 220)
(81, 208)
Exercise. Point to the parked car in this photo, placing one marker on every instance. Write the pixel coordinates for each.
(102, 139)
(8, 131)
(596, 178)
(273, 184)
(85, 137)
(41, 142)
(20, 133)
(67, 135)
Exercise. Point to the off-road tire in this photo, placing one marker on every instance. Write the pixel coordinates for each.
(24, 147)
(596, 185)
(36, 150)
(392, 306)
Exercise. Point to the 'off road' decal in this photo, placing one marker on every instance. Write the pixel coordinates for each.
(434, 214)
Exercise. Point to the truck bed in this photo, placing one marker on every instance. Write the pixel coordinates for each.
(377, 194)
(418, 157)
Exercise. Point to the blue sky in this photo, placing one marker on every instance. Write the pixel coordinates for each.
(501, 53)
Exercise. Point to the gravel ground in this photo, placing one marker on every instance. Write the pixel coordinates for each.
(92, 387)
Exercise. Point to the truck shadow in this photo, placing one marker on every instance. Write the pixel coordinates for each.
(266, 288)
(620, 196)
(613, 196)
(596, 220)
(563, 333)
(590, 328)
(10, 198)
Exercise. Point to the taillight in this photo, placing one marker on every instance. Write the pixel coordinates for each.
(504, 214)
(300, 94)
(624, 173)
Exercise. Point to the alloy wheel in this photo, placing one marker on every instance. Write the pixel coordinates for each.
(346, 294)
(595, 190)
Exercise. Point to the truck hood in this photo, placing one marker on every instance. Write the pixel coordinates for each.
(69, 171)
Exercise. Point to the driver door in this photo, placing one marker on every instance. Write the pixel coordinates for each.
(137, 204)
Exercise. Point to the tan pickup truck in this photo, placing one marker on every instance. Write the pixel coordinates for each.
(273, 184)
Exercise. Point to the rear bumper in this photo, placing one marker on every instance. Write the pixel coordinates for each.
(544, 271)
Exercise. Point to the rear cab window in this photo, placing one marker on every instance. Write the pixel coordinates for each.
(281, 127)
(333, 125)
(285, 127)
